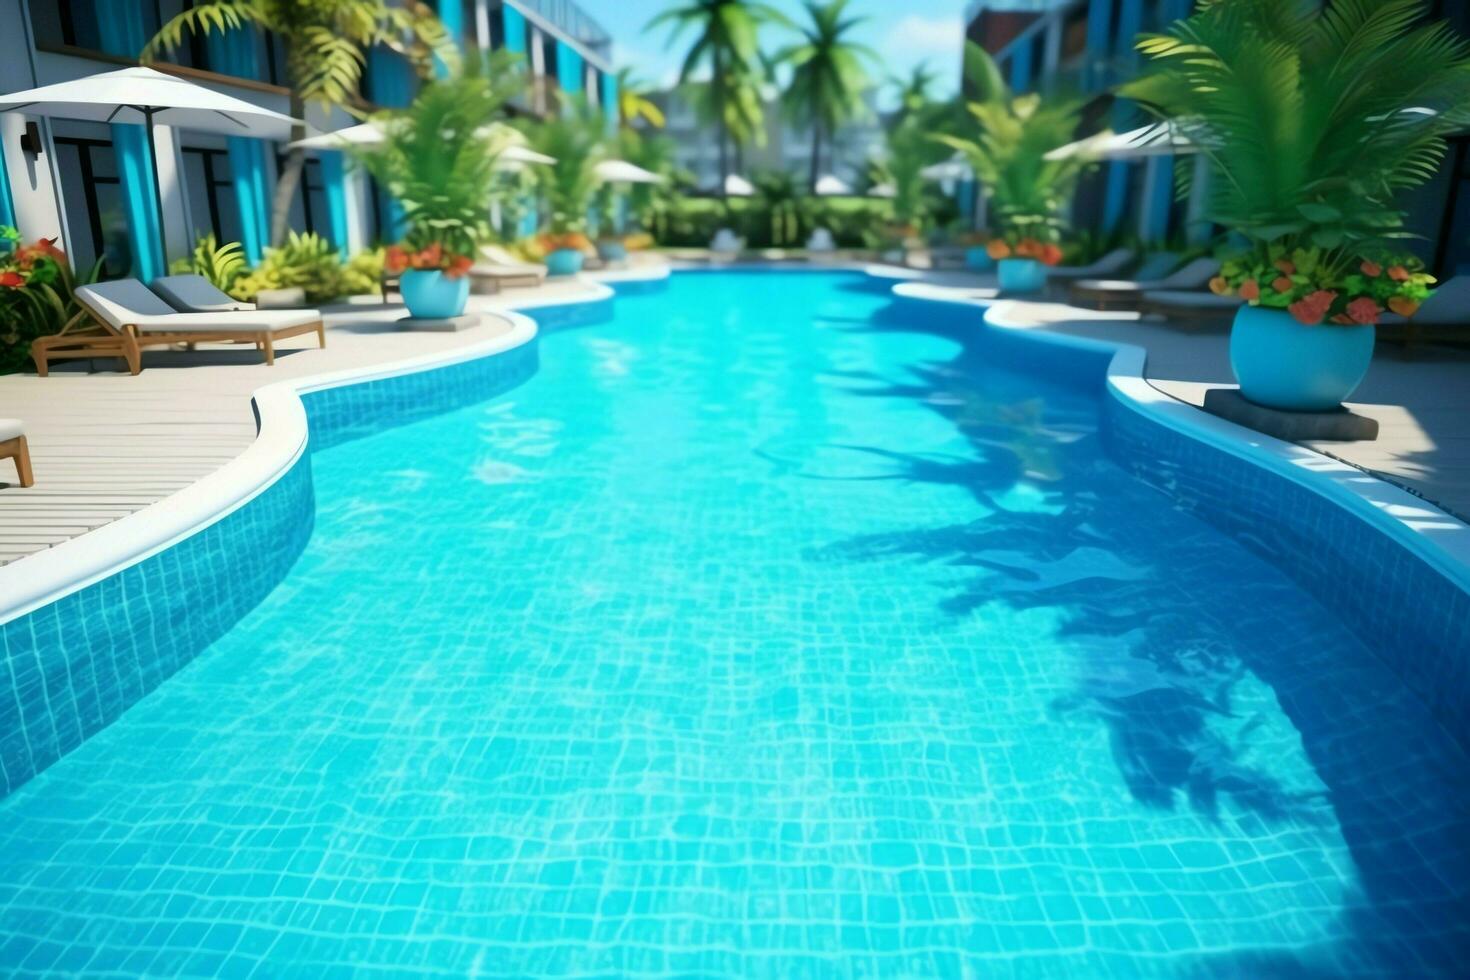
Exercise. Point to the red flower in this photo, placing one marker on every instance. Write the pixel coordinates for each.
(998, 250)
(1051, 254)
(1363, 310)
(11, 279)
(395, 260)
(1250, 290)
(1371, 269)
(1313, 308)
(458, 266)
(1282, 284)
(1398, 273)
(1285, 267)
(430, 258)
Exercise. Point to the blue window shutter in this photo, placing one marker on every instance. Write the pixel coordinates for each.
(334, 176)
(515, 30)
(568, 68)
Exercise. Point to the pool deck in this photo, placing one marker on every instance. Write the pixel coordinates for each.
(105, 444)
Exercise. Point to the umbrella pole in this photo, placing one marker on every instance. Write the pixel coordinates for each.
(158, 192)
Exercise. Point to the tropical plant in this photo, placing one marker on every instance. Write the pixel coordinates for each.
(1304, 281)
(726, 44)
(305, 261)
(912, 90)
(325, 45)
(785, 207)
(36, 283)
(634, 104)
(827, 74)
(220, 264)
(1314, 118)
(911, 149)
(577, 139)
(438, 160)
(1028, 193)
(363, 273)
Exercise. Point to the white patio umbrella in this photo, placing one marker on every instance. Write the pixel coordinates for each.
(953, 169)
(832, 186)
(885, 190)
(623, 172)
(1156, 139)
(513, 154)
(145, 97)
(738, 186)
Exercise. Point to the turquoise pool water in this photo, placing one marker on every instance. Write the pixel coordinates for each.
(766, 631)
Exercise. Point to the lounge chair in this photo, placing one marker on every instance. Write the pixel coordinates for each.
(1189, 307)
(126, 317)
(821, 241)
(1111, 264)
(498, 267)
(196, 294)
(1104, 293)
(1445, 315)
(13, 446)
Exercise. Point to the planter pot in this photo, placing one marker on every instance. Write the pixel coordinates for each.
(564, 262)
(978, 260)
(1283, 364)
(1021, 275)
(612, 251)
(431, 295)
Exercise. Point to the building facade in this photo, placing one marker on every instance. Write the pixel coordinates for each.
(91, 185)
(1087, 46)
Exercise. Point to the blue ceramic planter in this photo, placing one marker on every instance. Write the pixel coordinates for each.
(1021, 275)
(612, 250)
(1283, 364)
(431, 295)
(978, 260)
(564, 262)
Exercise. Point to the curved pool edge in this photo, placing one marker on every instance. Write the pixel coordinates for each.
(1363, 547)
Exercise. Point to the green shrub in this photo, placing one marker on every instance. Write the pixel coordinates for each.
(222, 265)
(363, 274)
(692, 222)
(306, 260)
(36, 284)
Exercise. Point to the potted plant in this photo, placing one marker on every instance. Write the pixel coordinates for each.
(1028, 192)
(576, 138)
(438, 159)
(1313, 119)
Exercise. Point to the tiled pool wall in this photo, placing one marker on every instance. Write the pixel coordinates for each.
(1412, 615)
(72, 667)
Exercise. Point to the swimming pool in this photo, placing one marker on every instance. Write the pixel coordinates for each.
(767, 629)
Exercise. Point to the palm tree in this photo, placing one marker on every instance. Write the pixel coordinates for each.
(726, 45)
(326, 44)
(913, 90)
(827, 79)
(634, 103)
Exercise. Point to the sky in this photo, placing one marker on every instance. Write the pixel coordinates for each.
(904, 32)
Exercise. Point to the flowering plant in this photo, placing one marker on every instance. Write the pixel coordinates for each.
(35, 295)
(433, 256)
(556, 241)
(1015, 244)
(1316, 285)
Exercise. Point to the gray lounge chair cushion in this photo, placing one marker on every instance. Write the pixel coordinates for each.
(1193, 276)
(1192, 299)
(499, 263)
(196, 294)
(125, 302)
(1113, 262)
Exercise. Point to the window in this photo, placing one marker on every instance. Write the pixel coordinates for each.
(309, 208)
(92, 200)
(208, 180)
(497, 25)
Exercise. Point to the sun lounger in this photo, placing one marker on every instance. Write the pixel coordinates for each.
(127, 317)
(1445, 315)
(13, 446)
(1111, 264)
(1104, 293)
(196, 294)
(1188, 305)
(499, 267)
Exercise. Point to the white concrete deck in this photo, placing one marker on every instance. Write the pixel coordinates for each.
(105, 444)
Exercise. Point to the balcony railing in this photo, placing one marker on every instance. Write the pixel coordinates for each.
(569, 18)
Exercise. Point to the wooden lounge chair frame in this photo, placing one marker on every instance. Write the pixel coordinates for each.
(101, 339)
(17, 450)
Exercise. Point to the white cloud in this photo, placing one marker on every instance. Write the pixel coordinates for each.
(917, 36)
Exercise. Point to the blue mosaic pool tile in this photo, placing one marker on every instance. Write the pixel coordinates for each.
(72, 667)
(1364, 576)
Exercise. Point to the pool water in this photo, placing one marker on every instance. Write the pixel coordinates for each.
(768, 630)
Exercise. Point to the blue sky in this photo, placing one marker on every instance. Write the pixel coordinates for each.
(904, 33)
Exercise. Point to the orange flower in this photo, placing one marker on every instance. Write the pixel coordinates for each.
(1363, 310)
(1371, 269)
(11, 279)
(1219, 286)
(1250, 290)
(1027, 248)
(1282, 284)
(431, 257)
(1403, 306)
(458, 266)
(1398, 273)
(1051, 254)
(998, 250)
(1313, 308)
(1285, 267)
(395, 260)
